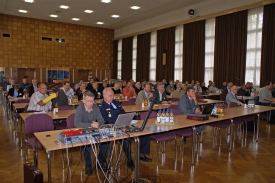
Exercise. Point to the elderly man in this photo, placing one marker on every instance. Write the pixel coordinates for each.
(24, 85)
(88, 115)
(68, 90)
(144, 94)
(160, 95)
(188, 105)
(110, 110)
(197, 87)
(243, 91)
(177, 93)
(232, 96)
(213, 88)
(138, 87)
(226, 90)
(40, 101)
(170, 88)
(129, 91)
(116, 89)
(33, 88)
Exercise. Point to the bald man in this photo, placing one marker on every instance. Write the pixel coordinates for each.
(232, 96)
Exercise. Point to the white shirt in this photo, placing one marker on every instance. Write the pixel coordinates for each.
(36, 97)
(69, 93)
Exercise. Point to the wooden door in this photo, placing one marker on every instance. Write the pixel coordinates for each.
(83, 74)
(28, 73)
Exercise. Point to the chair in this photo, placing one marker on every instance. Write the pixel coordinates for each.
(61, 124)
(175, 109)
(162, 137)
(64, 108)
(175, 99)
(70, 121)
(16, 113)
(36, 123)
(132, 101)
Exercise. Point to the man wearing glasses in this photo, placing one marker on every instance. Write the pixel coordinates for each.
(232, 96)
(88, 115)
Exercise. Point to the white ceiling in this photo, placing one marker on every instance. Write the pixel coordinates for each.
(41, 9)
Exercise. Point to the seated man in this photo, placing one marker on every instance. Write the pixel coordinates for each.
(232, 97)
(33, 88)
(177, 93)
(68, 90)
(160, 95)
(138, 87)
(265, 96)
(226, 90)
(16, 91)
(24, 85)
(110, 110)
(203, 87)
(116, 89)
(213, 88)
(40, 101)
(78, 84)
(188, 105)
(88, 115)
(243, 91)
(80, 91)
(129, 91)
(144, 94)
(170, 88)
(197, 87)
(97, 92)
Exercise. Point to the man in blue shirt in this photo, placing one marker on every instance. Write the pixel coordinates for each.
(24, 85)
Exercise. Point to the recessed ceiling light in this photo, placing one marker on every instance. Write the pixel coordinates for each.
(23, 11)
(105, 1)
(88, 11)
(100, 23)
(75, 19)
(29, 1)
(115, 16)
(54, 16)
(64, 7)
(135, 7)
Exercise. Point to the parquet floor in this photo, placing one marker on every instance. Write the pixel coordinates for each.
(249, 162)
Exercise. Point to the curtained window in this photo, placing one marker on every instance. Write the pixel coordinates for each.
(115, 57)
(127, 58)
(209, 49)
(134, 61)
(254, 45)
(178, 53)
(119, 57)
(153, 56)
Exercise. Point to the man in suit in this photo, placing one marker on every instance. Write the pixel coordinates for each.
(16, 91)
(88, 115)
(33, 88)
(97, 92)
(89, 86)
(226, 90)
(24, 85)
(188, 105)
(110, 109)
(232, 96)
(144, 94)
(68, 90)
(160, 95)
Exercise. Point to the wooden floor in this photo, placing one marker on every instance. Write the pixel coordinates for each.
(248, 162)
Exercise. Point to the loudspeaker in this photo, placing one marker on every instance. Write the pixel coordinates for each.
(191, 12)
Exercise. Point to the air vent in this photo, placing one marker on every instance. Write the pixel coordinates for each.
(6, 35)
(46, 39)
(60, 40)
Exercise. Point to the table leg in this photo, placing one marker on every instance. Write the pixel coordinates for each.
(231, 135)
(257, 133)
(193, 146)
(49, 167)
(21, 134)
(137, 146)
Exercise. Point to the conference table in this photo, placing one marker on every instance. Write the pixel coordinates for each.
(180, 121)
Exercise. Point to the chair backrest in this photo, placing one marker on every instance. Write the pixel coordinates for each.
(64, 107)
(152, 115)
(38, 123)
(173, 107)
(22, 100)
(257, 100)
(233, 104)
(130, 102)
(199, 97)
(70, 121)
(26, 108)
(175, 99)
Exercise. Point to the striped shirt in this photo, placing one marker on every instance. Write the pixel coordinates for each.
(35, 98)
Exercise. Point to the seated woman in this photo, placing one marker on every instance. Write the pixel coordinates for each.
(15, 92)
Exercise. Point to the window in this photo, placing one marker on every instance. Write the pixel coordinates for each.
(134, 60)
(178, 53)
(209, 49)
(253, 48)
(119, 55)
(153, 56)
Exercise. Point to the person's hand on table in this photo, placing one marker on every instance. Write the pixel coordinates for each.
(95, 124)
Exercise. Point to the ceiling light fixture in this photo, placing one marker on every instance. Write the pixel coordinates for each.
(54, 16)
(75, 19)
(105, 1)
(88, 11)
(23, 11)
(29, 1)
(64, 7)
(100, 23)
(115, 16)
(135, 7)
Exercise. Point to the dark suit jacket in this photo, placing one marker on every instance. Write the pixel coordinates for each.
(224, 93)
(11, 92)
(156, 95)
(187, 107)
(109, 113)
(96, 93)
(31, 90)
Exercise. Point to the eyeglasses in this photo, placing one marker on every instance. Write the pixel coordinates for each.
(90, 101)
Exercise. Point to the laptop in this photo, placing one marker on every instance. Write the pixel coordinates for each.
(207, 109)
(124, 120)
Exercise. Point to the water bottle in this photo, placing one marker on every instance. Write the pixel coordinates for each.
(167, 115)
(171, 119)
(163, 117)
(159, 116)
(214, 111)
